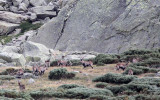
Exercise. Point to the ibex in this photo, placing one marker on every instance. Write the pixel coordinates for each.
(20, 72)
(39, 69)
(87, 63)
(64, 63)
(130, 72)
(121, 66)
(21, 86)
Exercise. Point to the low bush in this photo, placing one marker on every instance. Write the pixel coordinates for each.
(42, 93)
(15, 95)
(101, 85)
(8, 71)
(26, 26)
(69, 86)
(114, 78)
(147, 80)
(138, 52)
(98, 97)
(102, 59)
(60, 73)
(135, 71)
(6, 77)
(83, 93)
(130, 88)
(76, 62)
(54, 63)
(117, 89)
(140, 69)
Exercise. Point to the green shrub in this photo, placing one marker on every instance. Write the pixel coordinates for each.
(102, 59)
(138, 87)
(147, 80)
(69, 86)
(8, 71)
(26, 26)
(137, 52)
(98, 97)
(60, 73)
(76, 62)
(114, 78)
(130, 88)
(6, 77)
(54, 63)
(83, 93)
(146, 97)
(135, 71)
(100, 64)
(117, 89)
(42, 93)
(101, 85)
(15, 94)
(140, 69)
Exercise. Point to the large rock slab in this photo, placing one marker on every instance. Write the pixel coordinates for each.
(38, 3)
(106, 26)
(6, 27)
(12, 17)
(2, 2)
(10, 49)
(44, 11)
(13, 57)
(32, 49)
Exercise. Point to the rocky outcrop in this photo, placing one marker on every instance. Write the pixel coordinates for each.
(6, 27)
(44, 11)
(18, 11)
(12, 17)
(106, 26)
(18, 59)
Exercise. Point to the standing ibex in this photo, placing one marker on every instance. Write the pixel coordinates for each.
(64, 63)
(21, 86)
(121, 66)
(87, 63)
(130, 72)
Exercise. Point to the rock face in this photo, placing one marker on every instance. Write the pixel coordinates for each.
(106, 26)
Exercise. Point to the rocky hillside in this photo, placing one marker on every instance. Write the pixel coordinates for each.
(106, 26)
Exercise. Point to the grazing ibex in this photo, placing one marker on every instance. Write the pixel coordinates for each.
(64, 63)
(130, 72)
(87, 63)
(121, 66)
(20, 72)
(38, 69)
(21, 86)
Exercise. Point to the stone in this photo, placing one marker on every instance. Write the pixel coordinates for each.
(6, 28)
(34, 3)
(16, 32)
(13, 9)
(12, 17)
(2, 2)
(10, 49)
(32, 49)
(23, 7)
(18, 59)
(31, 81)
(44, 11)
(78, 57)
(1, 8)
(16, 2)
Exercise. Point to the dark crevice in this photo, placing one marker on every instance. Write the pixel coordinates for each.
(61, 33)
